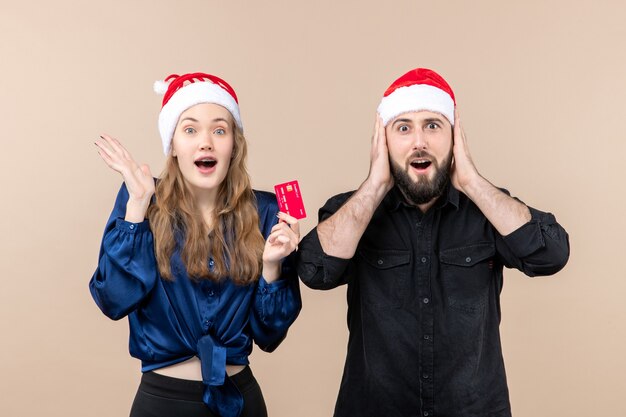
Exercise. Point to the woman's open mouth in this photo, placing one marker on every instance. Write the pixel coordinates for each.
(205, 165)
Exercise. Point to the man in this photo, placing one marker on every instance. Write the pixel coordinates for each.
(421, 245)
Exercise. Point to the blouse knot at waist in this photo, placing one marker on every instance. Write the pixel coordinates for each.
(221, 395)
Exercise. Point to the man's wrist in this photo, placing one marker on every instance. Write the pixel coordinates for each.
(474, 185)
(373, 190)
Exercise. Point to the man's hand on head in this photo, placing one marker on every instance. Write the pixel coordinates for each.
(380, 172)
(463, 172)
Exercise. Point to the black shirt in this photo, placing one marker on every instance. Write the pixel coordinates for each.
(424, 305)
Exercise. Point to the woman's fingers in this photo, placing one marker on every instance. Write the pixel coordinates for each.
(116, 150)
(104, 154)
(138, 178)
(285, 233)
(145, 169)
(291, 221)
(117, 146)
(110, 157)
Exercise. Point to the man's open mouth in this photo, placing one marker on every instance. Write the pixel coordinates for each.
(420, 163)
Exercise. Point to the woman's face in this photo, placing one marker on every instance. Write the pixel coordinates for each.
(203, 145)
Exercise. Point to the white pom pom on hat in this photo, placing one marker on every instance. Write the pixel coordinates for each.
(160, 87)
(184, 91)
(418, 89)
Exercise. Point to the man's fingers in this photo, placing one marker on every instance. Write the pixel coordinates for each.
(382, 135)
(376, 130)
(459, 133)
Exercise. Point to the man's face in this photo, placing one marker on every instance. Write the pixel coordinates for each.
(420, 154)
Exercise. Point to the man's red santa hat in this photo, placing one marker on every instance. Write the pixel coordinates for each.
(418, 89)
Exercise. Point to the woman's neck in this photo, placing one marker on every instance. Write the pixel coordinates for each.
(205, 202)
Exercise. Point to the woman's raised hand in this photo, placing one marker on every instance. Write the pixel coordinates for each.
(138, 178)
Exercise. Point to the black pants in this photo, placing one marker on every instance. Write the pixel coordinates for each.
(163, 396)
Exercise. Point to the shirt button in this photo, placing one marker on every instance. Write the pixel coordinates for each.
(426, 300)
(207, 323)
(426, 413)
(425, 376)
(426, 337)
(468, 259)
(211, 293)
(131, 227)
(424, 260)
(380, 262)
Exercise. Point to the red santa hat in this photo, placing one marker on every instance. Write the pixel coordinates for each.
(418, 89)
(184, 91)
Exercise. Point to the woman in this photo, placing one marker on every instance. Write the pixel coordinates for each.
(186, 261)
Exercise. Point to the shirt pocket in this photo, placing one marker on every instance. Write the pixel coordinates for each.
(466, 274)
(384, 277)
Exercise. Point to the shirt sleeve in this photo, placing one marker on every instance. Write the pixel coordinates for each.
(127, 269)
(315, 268)
(276, 306)
(539, 247)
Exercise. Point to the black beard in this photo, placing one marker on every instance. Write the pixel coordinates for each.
(423, 190)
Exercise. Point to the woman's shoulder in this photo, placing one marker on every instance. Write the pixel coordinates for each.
(267, 207)
(265, 200)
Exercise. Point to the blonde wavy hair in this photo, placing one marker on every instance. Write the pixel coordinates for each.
(234, 242)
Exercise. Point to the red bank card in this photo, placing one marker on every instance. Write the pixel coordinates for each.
(290, 199)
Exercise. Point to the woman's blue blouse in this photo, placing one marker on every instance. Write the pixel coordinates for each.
(172, 321)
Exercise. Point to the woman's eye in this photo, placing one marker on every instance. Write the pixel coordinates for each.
(433, 125)
(220, 131)
(403, 128)
(190, 130)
